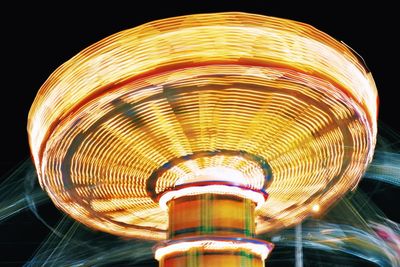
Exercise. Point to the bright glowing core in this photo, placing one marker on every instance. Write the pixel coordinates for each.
(315, 208)
(224, 174)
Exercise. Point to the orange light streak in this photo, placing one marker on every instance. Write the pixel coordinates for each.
(124, 107)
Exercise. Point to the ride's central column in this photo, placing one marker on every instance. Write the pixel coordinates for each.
(212, 224)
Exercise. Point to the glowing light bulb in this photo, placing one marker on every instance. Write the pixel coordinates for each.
(315, 208)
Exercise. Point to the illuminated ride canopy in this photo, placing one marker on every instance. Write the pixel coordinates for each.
(241, 101)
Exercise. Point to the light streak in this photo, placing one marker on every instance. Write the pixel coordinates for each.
(256, 197)
(109, 117)
(262, 250)
(385, 167)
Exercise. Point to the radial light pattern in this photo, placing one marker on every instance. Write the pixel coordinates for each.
(290, 109)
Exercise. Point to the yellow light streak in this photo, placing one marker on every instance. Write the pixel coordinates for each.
(124, 107)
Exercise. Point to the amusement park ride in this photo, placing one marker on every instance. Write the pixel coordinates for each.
(203, 131)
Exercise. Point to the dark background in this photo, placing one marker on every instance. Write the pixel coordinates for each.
(37, 39)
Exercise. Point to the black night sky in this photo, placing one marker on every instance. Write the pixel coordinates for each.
(36, 39)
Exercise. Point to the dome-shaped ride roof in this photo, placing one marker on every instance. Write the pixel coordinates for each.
(290, 108)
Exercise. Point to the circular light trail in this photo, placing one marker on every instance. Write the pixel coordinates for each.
(214, 187)
(283, 104)
(259, 248)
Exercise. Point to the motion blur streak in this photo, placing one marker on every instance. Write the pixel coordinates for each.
(354, 226)
(18, 190)
(289, 108)
(366, 244)
(385, 167)
(79, 247)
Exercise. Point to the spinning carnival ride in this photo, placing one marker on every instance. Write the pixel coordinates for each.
(176, 130)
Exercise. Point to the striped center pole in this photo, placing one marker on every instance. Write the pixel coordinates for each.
(212, 224)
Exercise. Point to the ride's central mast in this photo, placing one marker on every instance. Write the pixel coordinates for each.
(212, 224)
